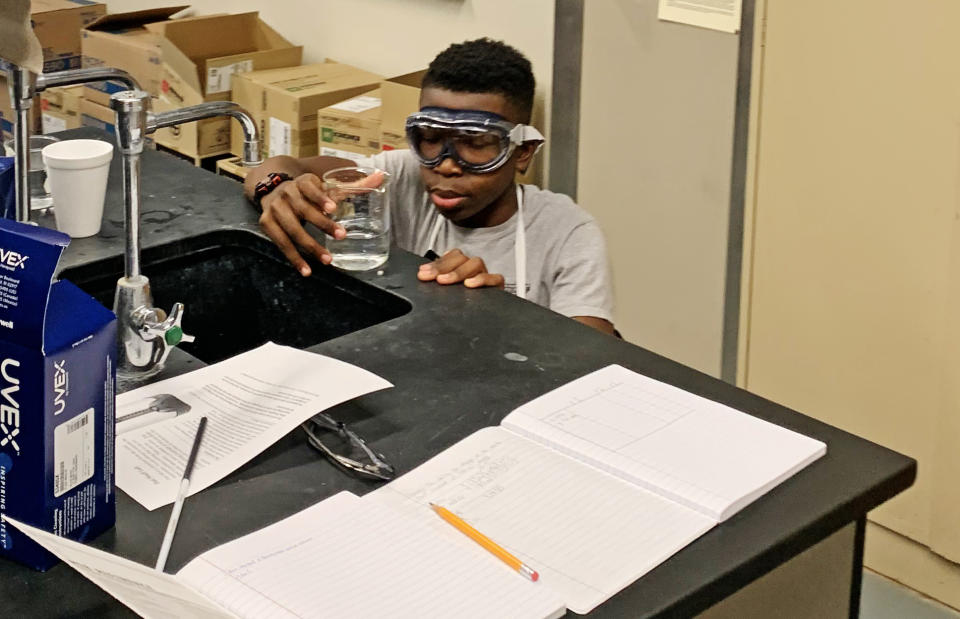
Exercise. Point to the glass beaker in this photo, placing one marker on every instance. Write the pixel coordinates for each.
(40, 197)
(360, 194)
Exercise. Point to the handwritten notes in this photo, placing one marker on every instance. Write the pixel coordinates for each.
(589, 534)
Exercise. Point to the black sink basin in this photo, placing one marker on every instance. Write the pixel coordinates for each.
(240, 292)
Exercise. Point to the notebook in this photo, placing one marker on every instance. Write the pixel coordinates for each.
(599, 481)
(592, 484)
(341, 558)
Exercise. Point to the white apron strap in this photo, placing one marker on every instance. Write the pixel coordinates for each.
(519, 245)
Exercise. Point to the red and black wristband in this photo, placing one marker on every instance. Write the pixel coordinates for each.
(267, 185)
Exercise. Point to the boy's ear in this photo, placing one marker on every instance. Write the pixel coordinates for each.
(526, 152)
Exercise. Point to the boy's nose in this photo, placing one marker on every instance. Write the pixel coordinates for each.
(448, 167)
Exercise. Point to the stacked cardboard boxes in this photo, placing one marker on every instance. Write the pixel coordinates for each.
(284, 102)
(350, 129)
(7, 114)
(58, 24)
(374, 121)
(232, 167)
(124, 41)
(401, 97)
(121, 41)
(97, 116)
(183, 62)
(60, 108)
(200, 64)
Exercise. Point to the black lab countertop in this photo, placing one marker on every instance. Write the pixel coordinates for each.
(460, 360)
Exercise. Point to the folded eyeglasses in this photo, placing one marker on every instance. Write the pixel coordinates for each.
(376, 466)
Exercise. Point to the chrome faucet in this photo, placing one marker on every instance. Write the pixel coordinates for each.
(147, 334)
(23, 86)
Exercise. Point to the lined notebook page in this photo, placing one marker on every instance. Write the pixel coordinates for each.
(589, 534)
(703, 454)
(149, 593)
(344, 557)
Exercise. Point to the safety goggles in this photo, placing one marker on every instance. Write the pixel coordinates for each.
(478, 141)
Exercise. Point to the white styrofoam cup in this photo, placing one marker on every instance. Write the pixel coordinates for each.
(77, 172)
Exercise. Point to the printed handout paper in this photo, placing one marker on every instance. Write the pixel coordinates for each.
(250, 400)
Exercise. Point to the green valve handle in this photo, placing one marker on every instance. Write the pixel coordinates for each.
(173, 336)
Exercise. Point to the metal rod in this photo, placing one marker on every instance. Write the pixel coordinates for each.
(21, 87)
(22, 164)
(131, 202)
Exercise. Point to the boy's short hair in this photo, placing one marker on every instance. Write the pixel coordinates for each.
(483, 66)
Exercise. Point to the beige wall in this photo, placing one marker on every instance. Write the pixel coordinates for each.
(655, 135)
(656, 147)
(851, 291)
(392, 37)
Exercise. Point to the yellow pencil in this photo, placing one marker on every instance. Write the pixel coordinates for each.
(486, 542)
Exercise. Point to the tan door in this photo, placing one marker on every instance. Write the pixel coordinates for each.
(852, 291)
(945, 522)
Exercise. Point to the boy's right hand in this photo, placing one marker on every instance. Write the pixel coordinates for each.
(305, 199)
(287, 207)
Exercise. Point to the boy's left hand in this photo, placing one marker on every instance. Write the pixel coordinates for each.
(454, 267)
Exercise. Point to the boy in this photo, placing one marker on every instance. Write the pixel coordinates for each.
(453, 194)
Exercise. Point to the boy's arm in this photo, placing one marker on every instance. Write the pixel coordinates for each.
(292, 202)
(581, 288)
(597, 323)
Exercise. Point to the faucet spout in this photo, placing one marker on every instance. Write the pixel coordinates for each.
(147, 333)
(251, 139)
(84, 76)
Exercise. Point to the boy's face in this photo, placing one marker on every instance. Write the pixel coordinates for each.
(470, 199)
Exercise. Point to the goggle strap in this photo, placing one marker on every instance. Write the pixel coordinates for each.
(521, 134)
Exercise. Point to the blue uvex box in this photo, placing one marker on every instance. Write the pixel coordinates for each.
(57, 377)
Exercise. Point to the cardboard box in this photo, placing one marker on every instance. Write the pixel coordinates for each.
(99, 92)
(60, 108)
(350, 129)
(401, 97)
(58, 24)
(7, 114)
(372, 122)
(232, 168)
(123, 41)
(284, 102)
(199, 65)
(57, 397)
(198, 56)
(95, 115)
(204, 138)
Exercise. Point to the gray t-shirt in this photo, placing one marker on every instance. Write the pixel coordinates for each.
(567, 268)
